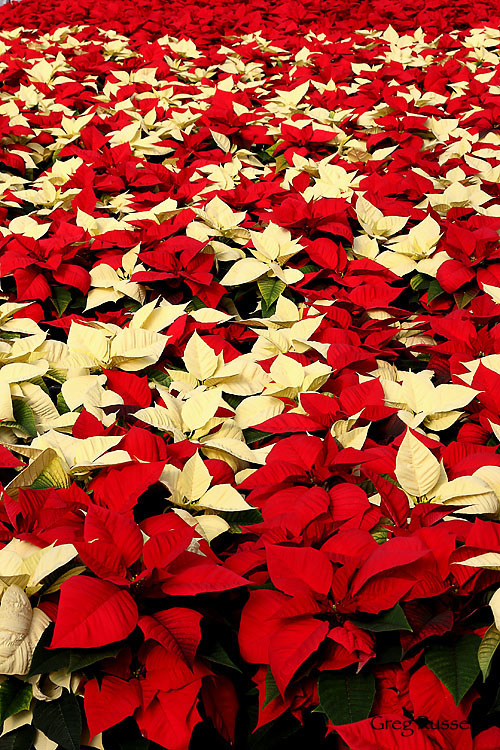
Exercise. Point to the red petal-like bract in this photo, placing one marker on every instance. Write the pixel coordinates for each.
(250, 373)
(93, 613)
(109, 702)
(176, 629)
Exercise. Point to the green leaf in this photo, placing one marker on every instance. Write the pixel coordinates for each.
(310, 268)
(252, 435)
(60, 720)
(389, 652)
(53, 475)
(394, 619)
(61, 299)
(281, 163)
(486, 651)
(242, 517)
(47, 660)
(462, 299)
(23, 415)
(58, 375)
(41, 382)
(417, 281)
(380, 535)
(219, 655)
(346, 697)
(135, 743)
(456, 665)
(160, 377)
(434, 290)
(196, 304)
(79, 658)
(272, 691)
(233, 400)
(19, 739)
(273, 148)
(270, 289)
(15, 696)
(62, 406)
(274, 735)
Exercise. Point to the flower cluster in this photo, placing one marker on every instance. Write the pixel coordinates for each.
(249, 374)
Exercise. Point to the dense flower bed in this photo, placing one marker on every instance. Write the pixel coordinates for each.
(250, 375)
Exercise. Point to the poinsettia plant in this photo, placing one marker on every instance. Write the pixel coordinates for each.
(249, 375)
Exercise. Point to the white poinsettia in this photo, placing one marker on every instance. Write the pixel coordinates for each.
(283, 337)
(410, 252)
(88, 391)
(190, 486)
(190, 416)
(81, 455)
(153, 317)
(349, 436)
(289, 377)
(21, 627)
(420, 402)
(333, 181)
(271, 249)
(422, 477)
(26, 565)
(110, 285)
(257, 409)
(100, 225)
(109, 346)
(63, 456)
(374, 223)
(9, 324)
(217, 219)
(14, 382)
(241, 376)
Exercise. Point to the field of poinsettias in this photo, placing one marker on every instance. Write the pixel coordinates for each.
(250, 375)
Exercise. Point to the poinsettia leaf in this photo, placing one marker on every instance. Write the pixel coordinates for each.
(435, 290)
(47, 660)
(61, 297)
(53, 475)
(61, 405)
(135, 743)
(489, 644)
(270, 289)
(252, 435)
(463, 299)
(80, 658)
(345, 697)
(19, 739)
(23, 416)
(218, 655)
(310, 268)
(417, 281)
(160, 377)
(393, 619)
(272, 691)
(60, 720)
(281, 163)
(237, 519)
(455, 664)
(275, 734)
(15, 696)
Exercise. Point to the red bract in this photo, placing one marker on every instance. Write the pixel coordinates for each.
(249, 344)
(93, 613)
